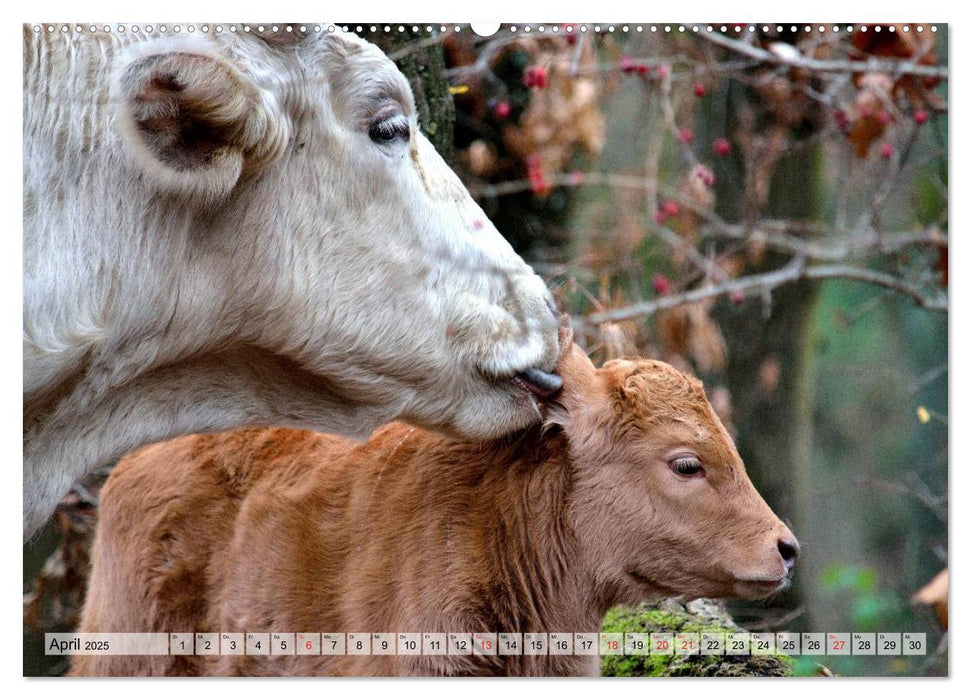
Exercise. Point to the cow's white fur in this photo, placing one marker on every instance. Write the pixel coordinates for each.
(298, 275)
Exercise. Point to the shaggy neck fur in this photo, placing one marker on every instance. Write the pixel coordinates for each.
(534, 577)
(493, 527)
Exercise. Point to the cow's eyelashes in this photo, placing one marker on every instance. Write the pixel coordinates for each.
(687, 466)
(386, 129)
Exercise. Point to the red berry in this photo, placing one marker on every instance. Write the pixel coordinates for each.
(661, 284)
(705, 174)
(670, 208)
(537, 178)
(737, 296)
(662, 70)
(886, 150)
(686, 135)
(883, 116)
(501, 109)
(536, 77)
(865, 113)
(722, 147)
(842, 122)
(700, 90)
(629, 65)
(920, 116)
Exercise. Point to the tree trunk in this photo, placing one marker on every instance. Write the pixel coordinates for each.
(775, 420)
(425, 69)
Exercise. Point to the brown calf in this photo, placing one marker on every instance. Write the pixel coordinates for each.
(634, 490)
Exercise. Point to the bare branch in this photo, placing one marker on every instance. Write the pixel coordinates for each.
(704, 264)
(764, 283)
(577, 55)
(421, 44)
(778, 621)
(483, 62)
(786, 236)
(840, 247)
(937, 302)
(811, 64)
(768, 280)
(927, 378)
(934, 503)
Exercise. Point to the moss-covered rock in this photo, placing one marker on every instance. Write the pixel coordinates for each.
(673, 616)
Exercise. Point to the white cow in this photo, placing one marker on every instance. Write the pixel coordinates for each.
(232, 230)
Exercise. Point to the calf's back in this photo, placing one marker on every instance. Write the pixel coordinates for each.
(282, 530)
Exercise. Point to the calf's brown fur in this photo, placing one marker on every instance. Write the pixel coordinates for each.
(291, 531)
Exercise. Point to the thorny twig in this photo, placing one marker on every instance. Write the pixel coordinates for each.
(927, 378)
(777, 622)
(811, 64)
(483, 63)
(436, 38)
(871, 216)
(577, 55)
(764, 283)
(782, 235)
(920, 491)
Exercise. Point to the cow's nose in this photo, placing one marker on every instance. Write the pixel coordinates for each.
(789, 549)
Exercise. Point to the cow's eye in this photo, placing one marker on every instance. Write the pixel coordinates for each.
(687, 466)
(386, 128)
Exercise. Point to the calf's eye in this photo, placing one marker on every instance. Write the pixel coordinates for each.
(687, 466)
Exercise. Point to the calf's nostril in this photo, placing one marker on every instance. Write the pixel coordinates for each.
(789, 549)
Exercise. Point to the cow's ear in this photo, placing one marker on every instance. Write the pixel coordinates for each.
(193, 123)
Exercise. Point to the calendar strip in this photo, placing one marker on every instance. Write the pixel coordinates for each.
(487, 643)
(106, 644)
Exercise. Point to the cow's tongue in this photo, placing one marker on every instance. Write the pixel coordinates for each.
(543, 384)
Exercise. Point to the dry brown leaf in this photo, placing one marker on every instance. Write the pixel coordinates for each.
(917, 46)
(480, 158)
(617, 340)
(688, 330)
(562, 117)
(934, 594)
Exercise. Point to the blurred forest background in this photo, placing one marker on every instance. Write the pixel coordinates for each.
(765, 209)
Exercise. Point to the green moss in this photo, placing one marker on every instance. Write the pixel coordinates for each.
(697, 616)
(644, 619)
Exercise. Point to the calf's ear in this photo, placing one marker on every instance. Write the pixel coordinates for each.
(626, 383)
(194, 124)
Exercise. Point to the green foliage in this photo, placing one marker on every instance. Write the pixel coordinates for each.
(837, 578)
(873, 540)
(868, 607)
